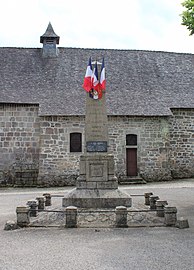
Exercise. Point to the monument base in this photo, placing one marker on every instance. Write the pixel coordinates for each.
(96, 198)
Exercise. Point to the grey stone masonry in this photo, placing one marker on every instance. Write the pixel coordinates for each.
(47, 199)
(96, 128)
(33, 204)
(121, 216)
(41, 202)
(153, 199)
(160, 204)
(57, 165)
(182, 223)
(19, 143)
(23, 216)
(97, 172)
(36, 150)
(147, 197)
(71, 217)
(153, 146)
(182, 143)
(170, 215)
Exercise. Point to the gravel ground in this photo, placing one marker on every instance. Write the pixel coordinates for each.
(103, 248)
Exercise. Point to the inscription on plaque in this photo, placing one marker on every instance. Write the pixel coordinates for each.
(96, 146)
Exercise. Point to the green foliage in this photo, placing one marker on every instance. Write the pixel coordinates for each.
(188, 15)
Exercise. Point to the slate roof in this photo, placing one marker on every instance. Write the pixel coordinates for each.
(138, 82)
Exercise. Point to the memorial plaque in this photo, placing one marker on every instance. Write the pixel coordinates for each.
(96, 146)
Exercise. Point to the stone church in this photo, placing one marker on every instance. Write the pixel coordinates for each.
(150, 106)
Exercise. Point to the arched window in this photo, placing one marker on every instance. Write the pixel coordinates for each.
(131, 140)
(75, 142)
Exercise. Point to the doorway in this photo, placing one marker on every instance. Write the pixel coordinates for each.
(131, 154)
(131, 161)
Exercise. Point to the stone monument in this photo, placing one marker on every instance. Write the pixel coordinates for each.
(97, 185)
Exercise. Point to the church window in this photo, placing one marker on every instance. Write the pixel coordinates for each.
(131, 139)
(75, 142)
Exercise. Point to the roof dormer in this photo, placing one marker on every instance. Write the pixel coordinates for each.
(50, 41)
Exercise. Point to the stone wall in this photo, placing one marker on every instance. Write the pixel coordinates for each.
(19, 143)
(182, 143)
(58, 166)
(152, 145)
(36, 150)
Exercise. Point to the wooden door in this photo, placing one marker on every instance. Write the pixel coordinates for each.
(131, 161)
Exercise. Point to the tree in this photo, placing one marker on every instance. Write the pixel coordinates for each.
(188, 15)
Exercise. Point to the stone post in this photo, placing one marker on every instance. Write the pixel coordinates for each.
(153, 199)
(160, 207)
(147, 197)
(23, 216)
(33, 204)
(71, 217)
(41, 202)
(121, 216)
(47, 199)
(182, 223)
(170, 215)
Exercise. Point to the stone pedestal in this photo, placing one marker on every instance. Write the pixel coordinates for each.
(41, 202)
(121, 217)
(71, 217)
(97, 186)
(170, 215)
(47, 199)
(23, 216)
(33, 204)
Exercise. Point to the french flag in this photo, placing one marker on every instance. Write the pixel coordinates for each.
(95, 81)
(87, 85)
(102, 76)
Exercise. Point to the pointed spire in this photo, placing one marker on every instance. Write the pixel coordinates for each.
(49, 34)
(50, 41)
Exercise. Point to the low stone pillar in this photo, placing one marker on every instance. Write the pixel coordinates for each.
(160, 204)
(182, 223)
(33, 204)
(153, 199)
(23, 216)
(71, 217)
(170, 215)
(41, 202)
(47, 199)
(121, 216)
(147, 197)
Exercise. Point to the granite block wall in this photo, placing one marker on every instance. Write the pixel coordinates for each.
(19, 144)
(152, 145)
(58, 166)
(182, 143)
(35, 150)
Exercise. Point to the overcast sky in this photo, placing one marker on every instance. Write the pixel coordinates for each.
(111, 24)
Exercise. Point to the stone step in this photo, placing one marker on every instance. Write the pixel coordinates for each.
(131, 181)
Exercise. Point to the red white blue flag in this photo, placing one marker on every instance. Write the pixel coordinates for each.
(102, 76)
(87, 85)
(95, 81)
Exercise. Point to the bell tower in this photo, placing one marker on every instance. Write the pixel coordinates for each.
(50, 41)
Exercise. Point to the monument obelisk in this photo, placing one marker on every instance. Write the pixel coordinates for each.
(97, 185)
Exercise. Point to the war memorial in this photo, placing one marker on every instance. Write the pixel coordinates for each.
(97, 185)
